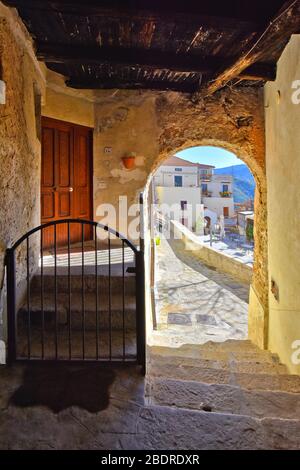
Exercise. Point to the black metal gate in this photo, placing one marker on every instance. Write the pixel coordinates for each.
(79, 302)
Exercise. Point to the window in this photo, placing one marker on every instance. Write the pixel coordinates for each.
(178, 169)
(178, 181)
(183, 205)
(225, 188)
(204, 188)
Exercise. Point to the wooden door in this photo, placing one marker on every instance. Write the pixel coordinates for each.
(66, 184)
(226, 211)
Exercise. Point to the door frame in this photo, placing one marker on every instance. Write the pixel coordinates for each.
(46, 119)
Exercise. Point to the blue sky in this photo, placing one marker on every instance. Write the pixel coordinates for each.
(210, 156)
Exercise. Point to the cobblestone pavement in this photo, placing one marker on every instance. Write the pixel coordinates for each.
(194, 302)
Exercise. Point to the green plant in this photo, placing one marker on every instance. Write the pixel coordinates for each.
(225, 194)
(249, 232)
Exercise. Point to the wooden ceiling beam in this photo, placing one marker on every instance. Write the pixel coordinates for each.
(259, 72)
(274, 36)
(110, 84)
(62, 53)
(156, 13)
(58, 53)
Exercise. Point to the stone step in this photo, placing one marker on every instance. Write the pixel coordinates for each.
(115, 343)
(282, 382)
(164, 427)
(223, 399)
(230, 345)
(234, 366)
(200, 352)
(76, 310)
(89, 283)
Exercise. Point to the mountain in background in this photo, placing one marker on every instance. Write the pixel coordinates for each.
(244, 183)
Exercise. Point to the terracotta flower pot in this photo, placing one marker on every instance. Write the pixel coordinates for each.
(128, 161)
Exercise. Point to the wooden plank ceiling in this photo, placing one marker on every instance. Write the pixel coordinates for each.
(185, 46)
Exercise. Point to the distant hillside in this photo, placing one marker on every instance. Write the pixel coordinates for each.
(244, 183)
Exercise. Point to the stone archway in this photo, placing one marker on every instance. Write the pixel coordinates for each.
(156, 126)
(233, 120)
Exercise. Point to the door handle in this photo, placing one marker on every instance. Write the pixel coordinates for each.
(71, 189)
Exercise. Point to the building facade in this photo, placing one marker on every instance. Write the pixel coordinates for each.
(217, 193)
(184, 183)
(177, 187)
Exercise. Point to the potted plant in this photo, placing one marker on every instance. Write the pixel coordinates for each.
(129, 160)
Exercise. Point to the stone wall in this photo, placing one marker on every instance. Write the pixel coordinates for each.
(19, 136)
(282, 103)
(222, 262)
(76, 106)
(232, 119)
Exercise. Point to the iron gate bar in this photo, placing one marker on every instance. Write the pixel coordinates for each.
(82, 293)
(11, 305)
(69, 294)
(28, 300)
(140, 292)
(75, 221)
(55, 292)
(11, 297)
(42, 298)
(109, 299)
(96, 287)
(123, 296)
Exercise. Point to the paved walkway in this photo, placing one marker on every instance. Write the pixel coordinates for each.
(195, 303)
(241, 251)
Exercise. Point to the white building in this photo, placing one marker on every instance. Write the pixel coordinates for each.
(184, 183)
(242, 220)
(176, 183)
(217, 194)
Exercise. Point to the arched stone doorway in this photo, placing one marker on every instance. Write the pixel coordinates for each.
(211, 254)
(233, 121)
(257, 326)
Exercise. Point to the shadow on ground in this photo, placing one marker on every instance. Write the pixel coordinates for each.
(210, 272)
(61, 386)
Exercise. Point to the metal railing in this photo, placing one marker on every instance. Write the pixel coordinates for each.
(32, 335)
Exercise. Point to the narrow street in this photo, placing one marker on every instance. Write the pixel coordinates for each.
(194, 302)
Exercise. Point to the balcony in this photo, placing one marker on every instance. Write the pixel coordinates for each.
(206, 193)
(225, 194)
(207, 177)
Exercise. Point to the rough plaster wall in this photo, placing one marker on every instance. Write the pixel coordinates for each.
(283, 172)
(19, 145)
(68, 108)
(126, 124)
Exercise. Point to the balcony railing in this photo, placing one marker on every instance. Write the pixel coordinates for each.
(207, 193)
(225, 194)
(206, 177)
